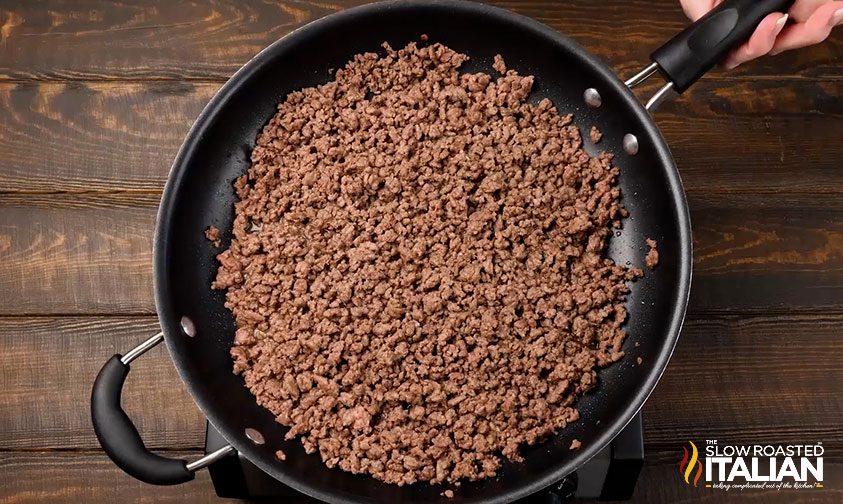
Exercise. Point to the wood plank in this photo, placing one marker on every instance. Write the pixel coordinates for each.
(751, 379)
(92, 253)
(92, 478)
(735, 379)
(756, 137)
(210, 39)
(94, 136)
(47, 371)
(88, 254)
(766, 252)
(726, 136)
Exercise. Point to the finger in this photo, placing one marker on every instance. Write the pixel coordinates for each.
(803, 9)
(813, 31)
(696, 9)
(760, 43)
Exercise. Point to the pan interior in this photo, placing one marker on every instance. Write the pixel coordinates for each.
(217, 151)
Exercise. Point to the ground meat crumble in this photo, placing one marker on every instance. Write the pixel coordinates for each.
(213, 235)
(595, 134)
(652, 259)
(416, 269)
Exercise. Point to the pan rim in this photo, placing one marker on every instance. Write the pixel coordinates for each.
(161, 275)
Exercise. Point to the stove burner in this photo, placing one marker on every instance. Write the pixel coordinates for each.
(610, 475)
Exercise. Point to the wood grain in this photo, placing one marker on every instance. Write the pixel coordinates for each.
(766, 253)
(88, 254)
(103, 136)
(47, 401)
(92, 253)
(751, 379)
(207, 39)
(771, 136)
(47, 371)
(92, 478)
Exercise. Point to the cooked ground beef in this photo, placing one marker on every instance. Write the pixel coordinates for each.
(576, 444)
(448, 494)
(652, 258)
(416, 269)
(595, 134)
(213, 235)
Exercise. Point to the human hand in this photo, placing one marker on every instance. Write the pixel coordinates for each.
(812, 21)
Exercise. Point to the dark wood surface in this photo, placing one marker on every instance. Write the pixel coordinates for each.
(96, 96)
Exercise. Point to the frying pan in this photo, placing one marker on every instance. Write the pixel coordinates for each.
(199, 330)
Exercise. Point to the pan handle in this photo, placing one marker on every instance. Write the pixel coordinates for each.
(119, 437)
(696, 49)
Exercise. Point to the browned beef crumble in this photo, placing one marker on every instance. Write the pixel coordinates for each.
(595, 134)
(576, 444)
(500, 66)
(212, 234)
(416, 269)
(652, 259)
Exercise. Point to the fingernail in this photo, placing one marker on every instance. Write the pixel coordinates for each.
(837, 18)
(780, 24)
(776, 30)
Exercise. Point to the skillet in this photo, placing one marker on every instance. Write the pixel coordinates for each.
(199, 330)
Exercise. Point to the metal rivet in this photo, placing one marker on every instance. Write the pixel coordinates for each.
(630, 144)
(255, 436)
(187, 326)
(592, 98)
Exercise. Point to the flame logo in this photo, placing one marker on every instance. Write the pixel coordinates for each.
(686, 467)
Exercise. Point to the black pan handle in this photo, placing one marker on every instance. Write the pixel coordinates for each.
(694, 51)
(118, 435)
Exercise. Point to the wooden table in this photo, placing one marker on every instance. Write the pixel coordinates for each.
(95, 98)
